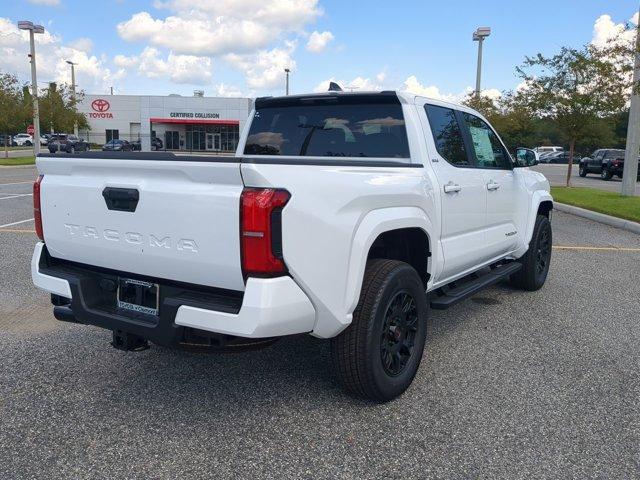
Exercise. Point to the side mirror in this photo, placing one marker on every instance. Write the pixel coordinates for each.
(525, 157)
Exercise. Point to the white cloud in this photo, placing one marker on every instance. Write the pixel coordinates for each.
(606, 30)
(363, 84)
(318, 41)
(414, 86)
(92, 72)
(223, 90)
(125, 62)
(492, 93)
(264, 69)
(83, 43)
(48, 3)
(206, 27)
(150, 63)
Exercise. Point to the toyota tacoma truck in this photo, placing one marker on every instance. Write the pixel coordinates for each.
(346, 216)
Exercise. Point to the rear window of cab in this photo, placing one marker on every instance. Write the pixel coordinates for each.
(329, 126)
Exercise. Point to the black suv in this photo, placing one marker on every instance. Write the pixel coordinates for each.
(605, 161)
(62, 142)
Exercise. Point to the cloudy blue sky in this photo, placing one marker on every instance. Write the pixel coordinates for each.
(240, 47)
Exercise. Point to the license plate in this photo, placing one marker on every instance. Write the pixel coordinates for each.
(138, 296)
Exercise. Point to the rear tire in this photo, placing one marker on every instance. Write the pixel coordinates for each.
(378, 355)
(536, 262)
(606, 174)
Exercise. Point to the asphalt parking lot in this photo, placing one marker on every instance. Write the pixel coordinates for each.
(512, 385)
(557, 175)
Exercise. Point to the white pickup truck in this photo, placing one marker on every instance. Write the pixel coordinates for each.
(342, 215)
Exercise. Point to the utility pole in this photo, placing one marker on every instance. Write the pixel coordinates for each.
(630, 171)
(286, 85)
(73, 94)
(478, 36)
(33, 29)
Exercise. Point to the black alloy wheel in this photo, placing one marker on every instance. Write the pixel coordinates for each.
(543, 252)
(398, 333)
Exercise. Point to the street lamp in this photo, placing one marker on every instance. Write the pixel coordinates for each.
(286, 87)
(73, 94)
(478, 36)
(33, 29)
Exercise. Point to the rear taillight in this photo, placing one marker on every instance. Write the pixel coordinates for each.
(37, 215)
(261, 231)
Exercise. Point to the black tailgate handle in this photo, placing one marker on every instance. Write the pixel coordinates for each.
(121, 199)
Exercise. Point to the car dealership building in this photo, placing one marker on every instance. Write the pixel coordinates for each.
(195, 123)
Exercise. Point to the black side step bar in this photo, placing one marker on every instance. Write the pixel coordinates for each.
(448, 297)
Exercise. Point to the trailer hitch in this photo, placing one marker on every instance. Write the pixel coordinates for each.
(128, 342)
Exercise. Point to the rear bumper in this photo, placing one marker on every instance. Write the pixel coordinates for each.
(268, 307)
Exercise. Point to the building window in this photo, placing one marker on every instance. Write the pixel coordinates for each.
(111, 135)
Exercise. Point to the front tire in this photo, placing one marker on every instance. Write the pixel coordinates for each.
(536, 262)
(582, 171)
(378, 355)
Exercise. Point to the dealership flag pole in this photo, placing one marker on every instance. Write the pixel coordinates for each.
(630, 171)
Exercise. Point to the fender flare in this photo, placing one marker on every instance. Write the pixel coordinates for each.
(372, 225)
(537, 198)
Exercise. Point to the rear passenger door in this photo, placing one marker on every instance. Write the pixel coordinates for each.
(461, 188)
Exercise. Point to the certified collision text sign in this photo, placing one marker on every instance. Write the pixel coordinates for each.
(194, 115)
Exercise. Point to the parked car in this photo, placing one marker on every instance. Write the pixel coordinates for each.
(23, 139)
(344, 229)
(117, 145)
(545, 157)
(63, 142)
(156, 144)
(44, 138)
(7, 141)
(606, 162)
(560, 157)
(136, 145)
(547, 149)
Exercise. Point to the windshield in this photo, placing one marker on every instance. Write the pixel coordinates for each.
(349, 126)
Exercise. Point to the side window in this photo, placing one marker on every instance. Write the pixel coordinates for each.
(447, 135)
(487, 147)
(599, 155)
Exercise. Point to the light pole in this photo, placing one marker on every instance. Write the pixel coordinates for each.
(630, 169)
(33, 29)
(286, 85)
(73, 94)
(478, 36)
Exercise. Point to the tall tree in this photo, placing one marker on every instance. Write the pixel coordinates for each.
(15, 112)
(58, 111)
(576, 88)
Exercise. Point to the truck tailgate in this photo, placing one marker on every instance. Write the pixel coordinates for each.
(183, 227)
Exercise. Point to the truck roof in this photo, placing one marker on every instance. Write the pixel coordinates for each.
(404, 97)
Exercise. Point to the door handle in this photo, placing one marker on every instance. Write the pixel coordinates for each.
(492, 185)
(452, 188)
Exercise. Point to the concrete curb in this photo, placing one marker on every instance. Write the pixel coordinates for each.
(627, 225)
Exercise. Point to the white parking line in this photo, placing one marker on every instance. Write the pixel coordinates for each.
(17, 196)
(16, 223)
(15, 183)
